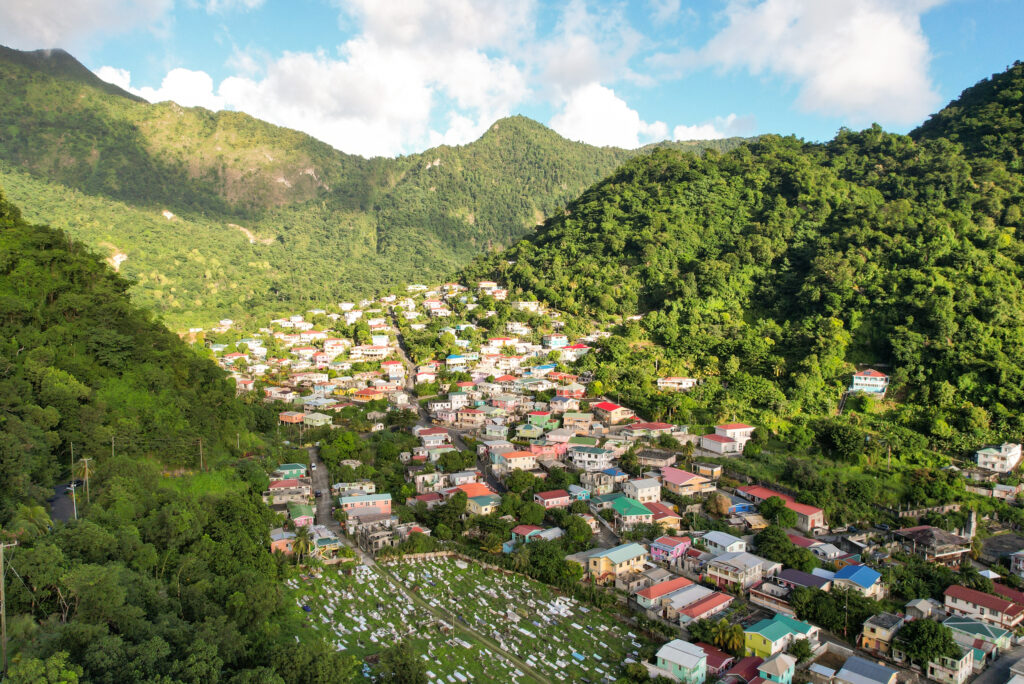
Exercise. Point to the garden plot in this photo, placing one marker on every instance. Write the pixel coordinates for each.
(557, 635)
(363, 614)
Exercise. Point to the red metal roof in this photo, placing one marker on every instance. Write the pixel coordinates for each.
(734, 426)
(705, 604)
(721, 439)
(662, 588)
(980, 598)
(553, 494)
(607, 406)
(763, 493)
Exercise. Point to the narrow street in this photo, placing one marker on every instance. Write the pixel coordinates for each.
(322, 483)
(410, 383)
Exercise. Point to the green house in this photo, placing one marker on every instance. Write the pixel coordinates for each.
(685, 662)
(289, 470)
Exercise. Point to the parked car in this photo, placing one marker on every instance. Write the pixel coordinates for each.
(318, 493)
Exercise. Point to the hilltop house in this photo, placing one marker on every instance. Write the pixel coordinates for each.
(1002, 459)
(729, 438)
(676, 384)
(870, 381)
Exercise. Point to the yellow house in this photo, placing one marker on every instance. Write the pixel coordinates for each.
(483, 505)
(879, 631)
(609, 564)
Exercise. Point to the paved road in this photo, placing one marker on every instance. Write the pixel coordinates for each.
(999, 671)
(322, 481)
(410, 373)
(61, 507)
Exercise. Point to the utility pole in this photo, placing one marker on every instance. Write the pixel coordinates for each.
(74, 501)
(3, 611)
(111, 446)
(85, 472)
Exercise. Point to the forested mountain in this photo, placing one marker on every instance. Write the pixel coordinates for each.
(775, 270)
(265, 218)
(160, 578)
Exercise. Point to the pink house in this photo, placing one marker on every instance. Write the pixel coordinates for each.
(549, 449)
(669, 548)
(556, 498)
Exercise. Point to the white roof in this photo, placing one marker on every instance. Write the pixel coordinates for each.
(723, 539)
(682, 653)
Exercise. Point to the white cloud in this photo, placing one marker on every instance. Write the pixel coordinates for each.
(595, 114)
(71, 24)
(220, 6)
(719, 127)
(664, 10)
(122, 78)
(384, 89)
(865, 60)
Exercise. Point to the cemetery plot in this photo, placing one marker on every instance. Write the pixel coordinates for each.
(558, 636)
(363, 614)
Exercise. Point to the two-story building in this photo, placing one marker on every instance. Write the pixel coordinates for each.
(1002, 459)
(668, 549)
(685, 483)
(607, 565)
(555, 498)
(683, 662)
(774, 635)
(644, 490)
(740, 570)
(994, 610)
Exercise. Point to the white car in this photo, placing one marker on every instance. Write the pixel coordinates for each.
(312, 466)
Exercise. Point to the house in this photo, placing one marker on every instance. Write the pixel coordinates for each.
(579, 422)
(291, 417)
(870, 381)
(773, 594)
(779, 668)
(857, 670)
(590, 458)
(669, 549)
(316, 420)
(647, 430)
(630, 513)
(704, 608)
(968, 631)
(483, 505)
(933, 544)
(1002, 459)
(597, 482)
(994, 610)
(573, 390)
(1017, 563)
(952, 670)
(774, 635)
(650, 597)
(514, 460)
(729, 438)
(645, 490)
(606, 565)
(718, 660)
(612, 414)
(655, 458)
(556, 498)
(300, 514)
(685, 483)
(723, 542)
(360, 486)
(878, 633)
(365, 504)
(862, 579)
(808, 517)
(577, 493)
(282, 541)
(743, 672)
(430, 499)
(289, 470)
(682, 661)
(739, 570)
(292, 490)
(664, 516)
(674, 384)
(573, 352)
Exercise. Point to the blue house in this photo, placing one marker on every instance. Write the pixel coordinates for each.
(577, 493)
(738, 506)
(860, 578)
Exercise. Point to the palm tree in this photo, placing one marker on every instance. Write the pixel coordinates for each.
(303, 542)
(492, 544)
(31, 520)
(521, 558)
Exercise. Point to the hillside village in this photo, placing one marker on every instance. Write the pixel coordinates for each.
(504, 448)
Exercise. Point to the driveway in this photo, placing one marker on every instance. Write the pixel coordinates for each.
(999, 671)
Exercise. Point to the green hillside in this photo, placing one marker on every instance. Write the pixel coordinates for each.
(265, 217)
(775, 270)
(160, 578)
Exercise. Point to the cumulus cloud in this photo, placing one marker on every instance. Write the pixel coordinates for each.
(864, 60)
(33, 24)
(719, 127)
(219, 6)
(381, 93)
(595, 114)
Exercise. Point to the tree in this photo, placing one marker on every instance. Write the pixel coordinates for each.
(926, 640)
(302, 544)
(578, 531)
(775, 511)
(531, 513)
(54, 670)
(801, 650)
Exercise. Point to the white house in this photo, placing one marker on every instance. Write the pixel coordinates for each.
(647, 490)
(1002, 458)
(676, 384)
(871, 381)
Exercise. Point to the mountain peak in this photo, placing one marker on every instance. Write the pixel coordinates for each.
(60, 64)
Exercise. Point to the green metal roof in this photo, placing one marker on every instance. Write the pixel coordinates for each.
(627, 506)
(622, 553)
(297, 510)
(779, 627)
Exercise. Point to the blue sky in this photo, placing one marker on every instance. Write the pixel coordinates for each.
(387, 77)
